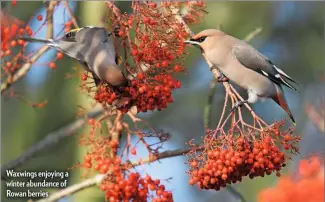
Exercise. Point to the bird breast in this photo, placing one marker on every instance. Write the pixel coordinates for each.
(246, 78)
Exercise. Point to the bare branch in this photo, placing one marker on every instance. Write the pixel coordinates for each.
(73, 19)
(208, 104)
(49, 140)
(74, 188)
(253, 34)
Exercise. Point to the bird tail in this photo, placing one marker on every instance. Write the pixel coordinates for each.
(285, 78)
(280, 100)
(48, 42)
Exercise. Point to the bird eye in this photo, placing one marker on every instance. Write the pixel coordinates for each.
(201, 39)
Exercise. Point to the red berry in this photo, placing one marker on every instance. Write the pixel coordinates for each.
(59, 55)
(152, 5)
(13, 43)
(177, 68)
(121, 33)
(39, 17)
(91, 121)
(52, 65)
(133, 151)
(146, 20)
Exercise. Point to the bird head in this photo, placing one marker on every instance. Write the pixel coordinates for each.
(205, 39)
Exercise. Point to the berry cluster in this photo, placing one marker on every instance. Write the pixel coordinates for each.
(306, 185)
(121, 185)
(146, 96)
(12, 47)
(227, 159)
(135, 188)
(154, 47)
(10, 28)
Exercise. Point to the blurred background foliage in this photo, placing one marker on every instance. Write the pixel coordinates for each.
(292, 37)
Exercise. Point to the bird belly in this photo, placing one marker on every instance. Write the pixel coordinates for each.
(249, 80)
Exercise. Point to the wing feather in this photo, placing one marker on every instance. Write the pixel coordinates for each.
(252, 59)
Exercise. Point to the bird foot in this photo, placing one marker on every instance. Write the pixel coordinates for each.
(222, 79)
(238, 104)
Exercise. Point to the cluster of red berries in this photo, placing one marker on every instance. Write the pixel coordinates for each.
(11, 27)
(135, 188)
(227, 159)
(146, 96)
(11, 47)
(305, 185)
(123, 186)
(158, 45)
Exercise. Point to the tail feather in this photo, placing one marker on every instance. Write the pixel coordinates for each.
(49, 42)
(288, 84)
(280, 100)
(282, 73)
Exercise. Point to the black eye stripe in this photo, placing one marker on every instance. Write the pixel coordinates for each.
(201, 39)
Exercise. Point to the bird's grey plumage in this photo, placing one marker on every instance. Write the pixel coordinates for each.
(94, 49)
(251, 58)
(244, 65)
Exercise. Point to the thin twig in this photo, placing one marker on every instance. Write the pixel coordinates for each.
(75, 188)
(70, 13)
(49, 140)
(253, 34)
(208, 104)
(26, 67)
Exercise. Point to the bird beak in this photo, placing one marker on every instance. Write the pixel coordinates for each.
(192, 42)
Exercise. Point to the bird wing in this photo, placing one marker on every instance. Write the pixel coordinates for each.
(252, 59)
(87, 34)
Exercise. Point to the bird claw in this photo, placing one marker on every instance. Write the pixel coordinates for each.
(237, 105)
(222, 79)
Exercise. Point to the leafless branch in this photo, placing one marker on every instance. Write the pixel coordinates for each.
(73, 19)
(49, 140)
(74, 188)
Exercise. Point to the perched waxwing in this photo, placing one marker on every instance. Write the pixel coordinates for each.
(245, 66)
(93, 48)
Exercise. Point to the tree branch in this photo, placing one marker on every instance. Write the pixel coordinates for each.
(73, 19)
(50, 139)
(75, 188)
(26, 67)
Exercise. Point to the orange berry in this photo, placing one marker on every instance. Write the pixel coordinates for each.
(121, 33)
(13, 43)
(152, 5)
(52, 65)
(8, 52)
(91, 121)
(39, 17)
(8, 64)
(59, 55)
(177, 68)
(68, 24)
(133, 151)
(21, 42)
